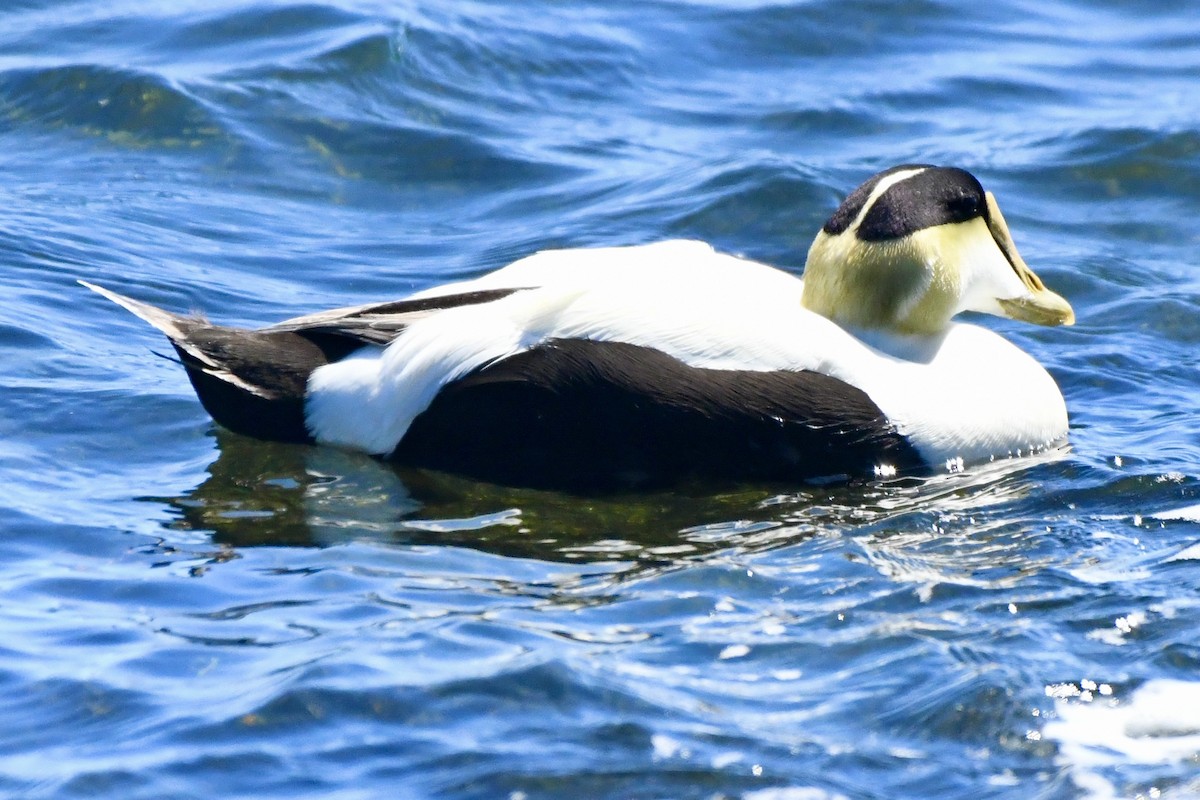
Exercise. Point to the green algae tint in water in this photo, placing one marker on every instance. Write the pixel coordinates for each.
(189, 613)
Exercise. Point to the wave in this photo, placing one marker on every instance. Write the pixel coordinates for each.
(125, 106)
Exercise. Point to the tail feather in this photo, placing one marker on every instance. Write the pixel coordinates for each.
(173, 325)
(176, 327)
(252, 382)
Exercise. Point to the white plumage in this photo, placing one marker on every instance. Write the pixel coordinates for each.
(966, 393)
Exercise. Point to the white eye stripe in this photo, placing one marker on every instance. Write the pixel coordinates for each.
(881, 187)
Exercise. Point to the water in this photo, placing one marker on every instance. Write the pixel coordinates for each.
(187, 613)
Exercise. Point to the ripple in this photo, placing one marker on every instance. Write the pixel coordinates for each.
(275, 29)
(192, 612)
(125, 107)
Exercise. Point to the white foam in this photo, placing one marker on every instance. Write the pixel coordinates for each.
(1157, 724)
(1187, 514)
(792, 793)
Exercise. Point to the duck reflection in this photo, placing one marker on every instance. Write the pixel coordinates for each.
(263, 493)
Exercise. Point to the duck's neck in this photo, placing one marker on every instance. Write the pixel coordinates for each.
(885, 286)
(919, 348)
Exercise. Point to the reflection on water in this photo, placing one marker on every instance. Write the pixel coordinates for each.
(266, 493)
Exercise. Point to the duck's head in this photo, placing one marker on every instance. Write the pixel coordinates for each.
(917, 244)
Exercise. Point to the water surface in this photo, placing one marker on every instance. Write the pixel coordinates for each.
(189, 613)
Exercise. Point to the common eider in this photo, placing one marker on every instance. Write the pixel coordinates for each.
(634, 366)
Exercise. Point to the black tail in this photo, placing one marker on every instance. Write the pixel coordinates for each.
(252, 382)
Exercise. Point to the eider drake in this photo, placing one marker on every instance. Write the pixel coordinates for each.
(632, 366)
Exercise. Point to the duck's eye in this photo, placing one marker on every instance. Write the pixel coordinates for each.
(964, 207)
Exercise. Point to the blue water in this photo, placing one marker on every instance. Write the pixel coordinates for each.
(188, 613)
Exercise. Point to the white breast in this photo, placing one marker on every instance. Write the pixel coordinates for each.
(971, 395)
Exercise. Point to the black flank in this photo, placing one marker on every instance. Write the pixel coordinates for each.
(585, 415)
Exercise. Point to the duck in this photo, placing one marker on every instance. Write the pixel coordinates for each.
(625, 367)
